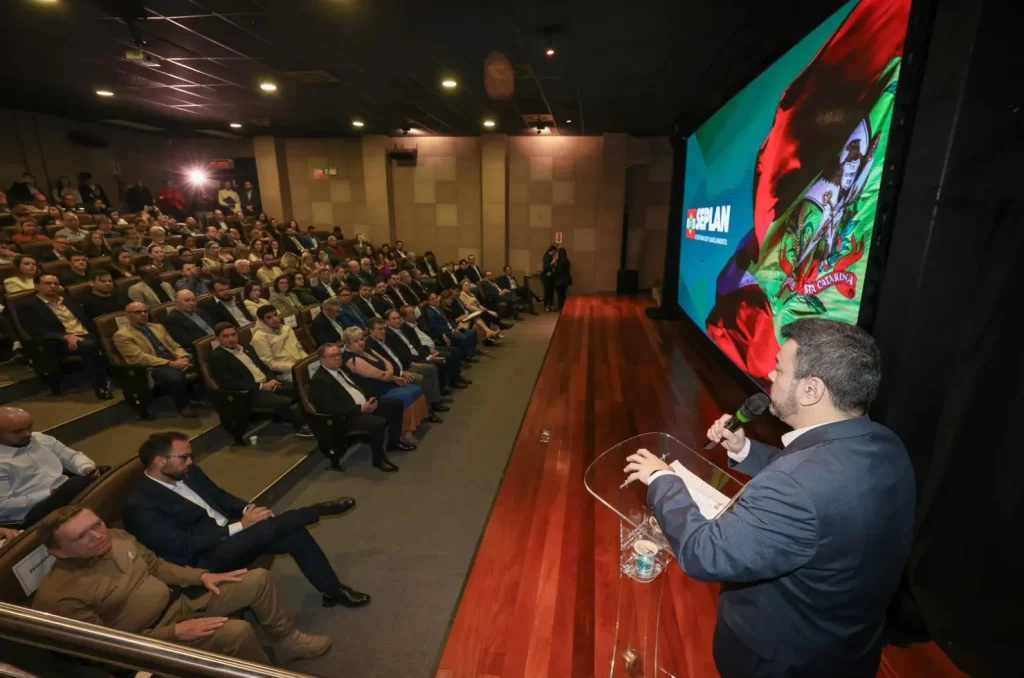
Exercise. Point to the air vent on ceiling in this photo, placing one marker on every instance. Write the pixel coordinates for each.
(134, 125)
(313, 77)
(218, 133)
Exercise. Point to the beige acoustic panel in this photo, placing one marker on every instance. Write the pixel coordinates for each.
(540, 192)
(563, 193)
(444, 169)
(540, 216)
(518, 167)
(323, 212)
(318, 190)
(447, 214)
(519, 193)
(360, 213)
(584, 215)
(343, 212)
(424, 191)
(563, 218)
(315, 162)
(426, 215)
(446, 192)
(341, 191)
(519, 260)
(582, 240)
(541, 169)
(447, 241)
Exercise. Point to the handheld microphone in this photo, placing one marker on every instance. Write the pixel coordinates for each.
(755, 406)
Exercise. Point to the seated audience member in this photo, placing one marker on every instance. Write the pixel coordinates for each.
(289, 263)
(29, 233)
(54, 214)
(290, 240)
(351, 316)
(374, 377)
(268, 272)
(121, 265)
(103, 297)
(190, 227)
(190, 280)
(141, 342)
(185, 518)
(442, 331)
(367, 271)
(403, 363)
(106, 577)
(158, 236)
(6, 215)
(309, 239)
(239, 368)
(23, 189)
(186, 323)
(334, 249)
(507, 281)
(308, 263)
(274, 248)
(333, 392)
(275, 343)
(24, 278)
(78, 271)
(365, 301)
(32, 466)
(408, 345)
(412, 292)
(470, 304)
(61, 250)
(241, 274)
(96, 245)
(252, 297)
(322, 285)
(151, 290)
(383, 266)
(64, 187)
(282, 297)
(399, 251)
(8, 251)
(37, 206)
(448, 279)
(353, 280)
(50, 316)
(428, 265)
(186, 254)
(428, 347)
(231, 240)
(226, 307)
(158, 259)
(473, 271)
(90, 190)
(361, 243)
(214, 256)
(256, 247)
(302, 291)
(328, 326)
(133, 242)
(72, 230)
(504, 301)
(399, 294)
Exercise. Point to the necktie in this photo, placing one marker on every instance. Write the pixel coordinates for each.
(158, 346)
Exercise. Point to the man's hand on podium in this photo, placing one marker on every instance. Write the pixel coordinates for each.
(642, 465)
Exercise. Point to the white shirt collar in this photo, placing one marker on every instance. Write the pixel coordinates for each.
(788, 438)
(170, 486)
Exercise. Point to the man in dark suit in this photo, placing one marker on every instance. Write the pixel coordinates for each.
(501, 300)
(290, 242)
(350, 316)
(61, 321)
(61, 250)
(472, 270)
(328, 325)
(410, 350)
(186, 323)
(508, 282)
(352, 278)
(448, 279)
(238, 368)
(333, 392)
(399, 294)
(185, 518)
(441, 329)
(249, 200)
(428, 265)
(241, 274)
(380, 300)
(813, 549)
(413, 293)
(364, 302)
(227, 308)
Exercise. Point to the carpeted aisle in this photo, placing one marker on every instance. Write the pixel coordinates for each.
(411, 538)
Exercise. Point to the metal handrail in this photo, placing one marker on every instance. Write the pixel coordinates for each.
(128, 650)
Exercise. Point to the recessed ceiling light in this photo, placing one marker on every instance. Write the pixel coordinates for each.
(358, 123)
(489, 123)
(550, 51)
(104, 93)
(449, 83)
(569, 121)
(236, 125)
(268, 87)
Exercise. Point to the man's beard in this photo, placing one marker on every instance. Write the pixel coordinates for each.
(786, 408)
(175, 475)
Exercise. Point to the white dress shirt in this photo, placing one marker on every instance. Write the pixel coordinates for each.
(348, 385)
(30, 474)
(404, 338)
(179, 488)
(423, 336)
(232, 307)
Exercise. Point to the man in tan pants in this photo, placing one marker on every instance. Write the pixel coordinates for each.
(106, 577)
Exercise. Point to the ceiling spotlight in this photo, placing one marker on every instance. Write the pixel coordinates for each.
(358, 123)
(550, 51)
(569, 121)
(236, 125)
(449, 83)
(268, 86)
(104, 93)
(489, 123)
(196, 176)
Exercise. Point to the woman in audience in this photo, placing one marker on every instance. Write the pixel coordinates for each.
(215, 256)
(457, 315)
(289, 262)
(63, 188)
(263, 218)
(471, 304)
(307, 263)
(256, 251)
(187, 243)
(116, 217)
(253, 296)
(282, 297)
(53, 214)
(323, 260)
(29, 233)
(382, 264)
(375, 378)
(25, 278)
(386, 253)
(275, 248)
(301, 289)
(158, 258)
(96, 245)
(121, 266)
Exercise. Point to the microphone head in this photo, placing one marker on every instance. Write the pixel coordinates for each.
(757, 404)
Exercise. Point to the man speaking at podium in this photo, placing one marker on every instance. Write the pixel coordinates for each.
(814, 547)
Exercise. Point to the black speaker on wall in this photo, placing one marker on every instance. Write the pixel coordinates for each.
(628, 282)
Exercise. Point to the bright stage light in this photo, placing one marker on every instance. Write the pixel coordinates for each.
(196, 176)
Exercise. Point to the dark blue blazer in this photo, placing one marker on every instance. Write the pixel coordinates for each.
(173, 527)
(437, 324)
(352, 317)
(813, 548)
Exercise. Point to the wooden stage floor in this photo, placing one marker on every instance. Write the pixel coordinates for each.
(541, 599)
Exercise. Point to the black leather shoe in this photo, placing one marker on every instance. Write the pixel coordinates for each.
(434, 419)
(465, 382)
(104, 394)
(446, 391)
(490, 342)
(347, 597)
(471, 360)
(336, 507)
(440, 408)
(385, 465)
(401, 445)
(458, 385)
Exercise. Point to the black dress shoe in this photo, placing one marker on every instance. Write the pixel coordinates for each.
(465, 382)
(440, 408)
(347, 597)
(490, 342)
(471, 360)
(104, 394)
(401, 445)
(385, 465)
(336, 507)
(446, 391)
(505, 326)
(434, 419)
(458, 384)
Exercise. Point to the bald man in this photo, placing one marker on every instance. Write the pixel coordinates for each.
(32, 467)
(186, 323)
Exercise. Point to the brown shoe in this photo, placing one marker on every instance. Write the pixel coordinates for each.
(300, 645)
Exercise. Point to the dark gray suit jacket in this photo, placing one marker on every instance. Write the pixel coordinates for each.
(814, 547)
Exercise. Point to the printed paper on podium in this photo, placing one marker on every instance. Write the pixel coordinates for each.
(710, 501)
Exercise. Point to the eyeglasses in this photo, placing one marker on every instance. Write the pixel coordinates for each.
(179, 456)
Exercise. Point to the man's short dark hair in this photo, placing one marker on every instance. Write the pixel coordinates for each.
(374, 323)
(77, 253)
(263, 311)
(158, 445)
(843, 356)
(99, 273)
(221, 281)
(55, 520)
(221, 326)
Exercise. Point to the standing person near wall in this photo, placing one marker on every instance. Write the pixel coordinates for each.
(548, 279)
(561, 276)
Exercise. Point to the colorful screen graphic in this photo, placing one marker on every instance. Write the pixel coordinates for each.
(782, 182)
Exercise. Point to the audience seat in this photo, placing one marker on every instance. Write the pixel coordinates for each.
(35, 248)
(333, 436)
(123, 284)
(85, 219)
(171, 277)
(57, 268)
(78, 291)
(132, 379)
(140, 260)
(6, 271)
(42, 356)
(158, 314)
(99, 263)
(232, 406)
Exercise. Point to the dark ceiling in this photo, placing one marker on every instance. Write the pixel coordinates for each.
(619, 66)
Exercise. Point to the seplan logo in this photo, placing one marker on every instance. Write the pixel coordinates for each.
(701, 220)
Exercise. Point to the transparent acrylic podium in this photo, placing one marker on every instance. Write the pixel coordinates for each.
(643, 646)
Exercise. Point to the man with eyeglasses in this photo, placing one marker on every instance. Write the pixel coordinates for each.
(141, 342)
